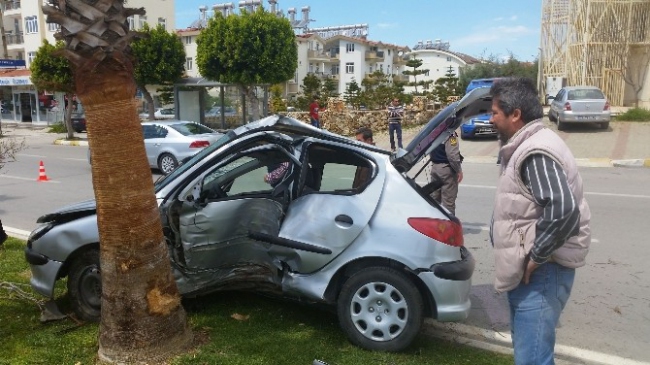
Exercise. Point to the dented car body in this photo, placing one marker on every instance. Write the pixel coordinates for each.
(345, 225)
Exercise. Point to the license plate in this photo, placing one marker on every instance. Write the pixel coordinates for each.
(485, 130)
(586, 117)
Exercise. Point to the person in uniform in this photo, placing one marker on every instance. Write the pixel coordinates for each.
(447, 172)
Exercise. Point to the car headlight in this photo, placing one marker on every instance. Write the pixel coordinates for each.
(39, 232)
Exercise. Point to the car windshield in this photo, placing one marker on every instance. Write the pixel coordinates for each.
(584, 94)
(165, 179)
(188, 129)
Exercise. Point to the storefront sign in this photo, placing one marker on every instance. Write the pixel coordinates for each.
(12, 81)
(12, 63)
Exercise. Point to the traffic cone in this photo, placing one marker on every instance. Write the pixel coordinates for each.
(41, 173)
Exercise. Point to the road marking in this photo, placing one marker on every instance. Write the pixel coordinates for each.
(26, 179)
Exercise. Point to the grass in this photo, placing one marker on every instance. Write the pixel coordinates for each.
(635, 115)
(234, 328)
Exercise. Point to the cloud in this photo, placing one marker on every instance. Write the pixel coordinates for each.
(386, 25)
(514, 17)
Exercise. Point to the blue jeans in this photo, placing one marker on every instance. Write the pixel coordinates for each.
(315, 122)
(397, 128)
(535, 311)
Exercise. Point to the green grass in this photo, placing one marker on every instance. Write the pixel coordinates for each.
(635, 115)
(234, 328)
(58, 127)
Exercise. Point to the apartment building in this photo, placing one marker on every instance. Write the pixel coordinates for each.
(25, 29)
(436, 57)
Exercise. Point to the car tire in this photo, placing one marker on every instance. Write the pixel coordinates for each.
(85, 286)
(560, 125)
(378, 294)
(167, 163)
(604, 125)
(550, 116)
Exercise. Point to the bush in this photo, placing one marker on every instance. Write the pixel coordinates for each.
(635, 115)
(58, 127)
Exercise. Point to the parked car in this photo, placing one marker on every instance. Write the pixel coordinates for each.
(579, 104)
(478, 126)
(477, 83)
(160, 113)
(379, 249)
(78, 122)
(168, 142)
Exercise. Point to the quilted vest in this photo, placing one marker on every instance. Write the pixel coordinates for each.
(515, 212)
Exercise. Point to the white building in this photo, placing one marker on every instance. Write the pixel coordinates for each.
(437, 58)
(25, 29)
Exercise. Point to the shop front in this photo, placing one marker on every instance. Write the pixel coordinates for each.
(21, 102)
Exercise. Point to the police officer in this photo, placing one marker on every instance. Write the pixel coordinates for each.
(447, 172)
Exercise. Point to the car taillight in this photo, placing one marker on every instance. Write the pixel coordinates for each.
(442, 230)
(567, 106)
(199, 144)
(606, 105)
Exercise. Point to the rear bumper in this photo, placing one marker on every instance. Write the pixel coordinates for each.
(450, 283)
(571, 117)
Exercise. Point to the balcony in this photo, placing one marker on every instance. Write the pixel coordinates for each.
(398, 61)
(400, 78)
(374, 55)
(10, 7)
(317, 55)
(333, 55)
(14, 39)
(324, 75)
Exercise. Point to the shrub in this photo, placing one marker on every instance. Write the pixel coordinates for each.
(635, 115)
(58, 127)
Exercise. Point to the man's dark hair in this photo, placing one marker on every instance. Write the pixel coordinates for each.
(365, 132)
(517, 93)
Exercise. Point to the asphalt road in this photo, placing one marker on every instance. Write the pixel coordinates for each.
(608, 310)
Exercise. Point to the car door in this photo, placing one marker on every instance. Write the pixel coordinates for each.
(232, 200)
(151, 136)
(337, 193)
(557, 103)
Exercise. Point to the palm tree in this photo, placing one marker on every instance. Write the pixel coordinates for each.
(142, 319)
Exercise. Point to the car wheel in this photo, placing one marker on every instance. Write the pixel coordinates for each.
(560, 125)
(85, 286)
(550, 116)
(604, 125)
(380, 309)
(167, 163)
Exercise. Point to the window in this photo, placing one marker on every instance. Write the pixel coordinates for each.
(335, 171)
(389, 52)
(53, 27)
(448, 59)
(295, 77)
(370, 69)
(426, 73)
(153, 131)
(381, 67)
(30, 57)
(349, 67)
(131, 22)
(336, 70)
(349, 47)
(31, 25)
(143, 21)
(163, 22)
(189, 64)
(188, 39)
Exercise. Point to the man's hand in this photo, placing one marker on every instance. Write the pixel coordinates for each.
(460, 177)
(530, 267)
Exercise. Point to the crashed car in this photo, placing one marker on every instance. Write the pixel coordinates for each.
(346, 225)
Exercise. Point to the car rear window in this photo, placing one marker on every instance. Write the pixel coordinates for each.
(188, 129)
(583, 94)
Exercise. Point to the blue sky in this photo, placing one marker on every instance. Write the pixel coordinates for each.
(475, 27)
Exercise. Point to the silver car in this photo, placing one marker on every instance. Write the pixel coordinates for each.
(342, 223)
(579, 104)
(168, 142)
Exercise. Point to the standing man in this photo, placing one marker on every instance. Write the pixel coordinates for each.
(314, 108)
(540, 224)
(447, 172)
(395, 116)
(3, 234)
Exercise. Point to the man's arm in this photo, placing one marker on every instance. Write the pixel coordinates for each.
(560, 218)
(452, 150)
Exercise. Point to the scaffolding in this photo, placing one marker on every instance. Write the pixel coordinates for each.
(604, 43)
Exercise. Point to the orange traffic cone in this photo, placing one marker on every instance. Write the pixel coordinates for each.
(41, 173)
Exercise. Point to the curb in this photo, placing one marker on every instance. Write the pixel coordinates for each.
(17, 233)
(639, 162)
(63, 142)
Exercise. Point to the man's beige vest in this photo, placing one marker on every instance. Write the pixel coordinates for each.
(516, 213)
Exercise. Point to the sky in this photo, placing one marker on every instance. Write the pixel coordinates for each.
(478, 28)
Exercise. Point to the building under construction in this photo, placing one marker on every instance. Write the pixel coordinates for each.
(604, 43)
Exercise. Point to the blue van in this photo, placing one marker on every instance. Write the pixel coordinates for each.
(478, 125)
(476, 83)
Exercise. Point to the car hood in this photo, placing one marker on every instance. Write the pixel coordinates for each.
(70, 212)
(436, 131)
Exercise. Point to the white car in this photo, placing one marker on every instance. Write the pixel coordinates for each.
(160, 113)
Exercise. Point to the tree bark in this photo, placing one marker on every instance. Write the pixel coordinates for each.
(147, 96)
(142, 317)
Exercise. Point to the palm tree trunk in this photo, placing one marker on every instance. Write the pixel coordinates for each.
(67, 117)
(142, 317)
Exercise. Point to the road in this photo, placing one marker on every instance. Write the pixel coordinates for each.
(608, 310)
